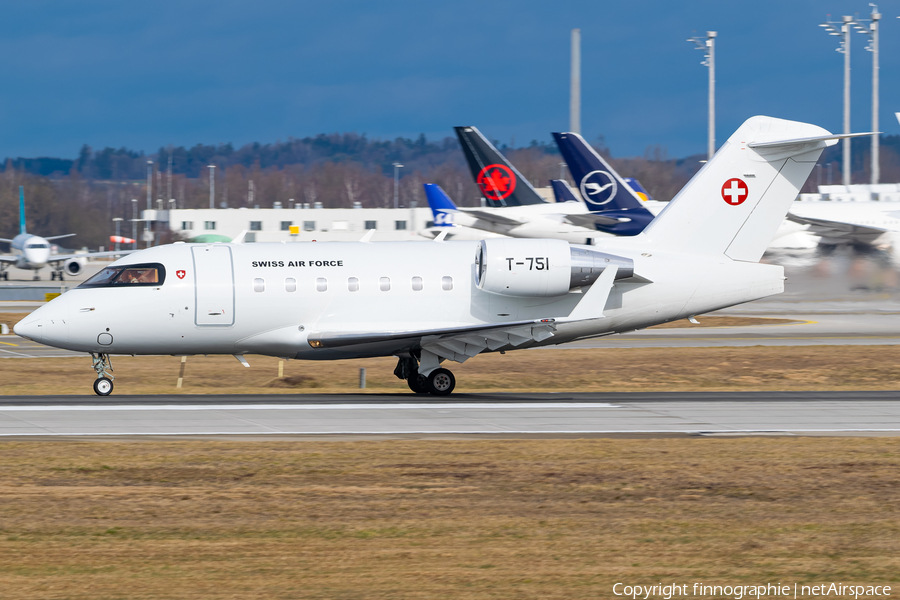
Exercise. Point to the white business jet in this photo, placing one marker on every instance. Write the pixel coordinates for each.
(430, 302)
(32, 252)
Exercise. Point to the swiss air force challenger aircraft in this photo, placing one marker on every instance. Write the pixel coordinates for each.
(447, 301)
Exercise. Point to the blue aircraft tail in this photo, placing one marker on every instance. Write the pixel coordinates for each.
(638, 189)
(561, 191)
(21, 209)
(602, 189)
(442, 207)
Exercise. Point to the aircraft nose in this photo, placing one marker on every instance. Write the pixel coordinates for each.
(30, 327)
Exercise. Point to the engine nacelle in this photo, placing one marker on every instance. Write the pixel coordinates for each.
(74, 266)
(540, 268)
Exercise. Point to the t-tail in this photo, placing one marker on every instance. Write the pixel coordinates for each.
(603, 190)
(21, 209)
(736, 202)
(500, 183)
(442, 207)
(561, 191)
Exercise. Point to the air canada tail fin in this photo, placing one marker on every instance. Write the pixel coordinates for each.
(735, 203)
(22, 209)
(498, 180)
(561, 191)
(442, 207)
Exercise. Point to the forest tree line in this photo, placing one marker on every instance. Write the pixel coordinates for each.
(83, 195)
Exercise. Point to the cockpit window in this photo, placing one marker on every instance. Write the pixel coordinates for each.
(128, 275)
(37, 245)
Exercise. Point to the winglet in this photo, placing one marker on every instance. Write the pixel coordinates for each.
(594, 300)
(441, 236)
(239, 239)
(368, 237)
(21, 209)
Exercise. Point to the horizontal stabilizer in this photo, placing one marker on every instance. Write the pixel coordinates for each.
(809, 140)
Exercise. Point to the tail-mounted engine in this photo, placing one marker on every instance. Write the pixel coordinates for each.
(540, 268)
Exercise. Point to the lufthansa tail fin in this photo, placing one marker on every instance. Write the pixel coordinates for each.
(638, 189)
(498, 180)
(735, 203)
(22, 209)
(442, 207)
(561, 191)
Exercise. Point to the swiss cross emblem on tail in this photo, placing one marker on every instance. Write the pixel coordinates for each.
(180, 273)
(735, 191)
(496, 182)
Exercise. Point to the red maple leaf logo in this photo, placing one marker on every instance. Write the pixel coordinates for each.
(496, 182)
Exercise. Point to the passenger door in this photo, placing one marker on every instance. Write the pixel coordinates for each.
(214, 286)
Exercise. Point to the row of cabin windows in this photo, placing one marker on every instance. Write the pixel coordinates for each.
(286, 225)
(384, 284)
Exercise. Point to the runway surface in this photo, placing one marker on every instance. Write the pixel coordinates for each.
(541, 415)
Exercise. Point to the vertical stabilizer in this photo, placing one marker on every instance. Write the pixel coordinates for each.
(442, 207)
(735, 203)
(21, 209)
(562, 192)
(500, 183)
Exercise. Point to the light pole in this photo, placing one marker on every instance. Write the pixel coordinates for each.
(708, 45)
(844, 48)
(562, 170)
(397, 167)
(134, 223)
(118, 222)
(149, 182)
(869, 27)
(575, 83)
(212, 186)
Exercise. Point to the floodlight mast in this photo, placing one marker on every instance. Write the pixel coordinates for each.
(708, 45)
(844, 48)
(869, 28)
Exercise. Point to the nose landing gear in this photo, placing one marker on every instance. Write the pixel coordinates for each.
(103, 385)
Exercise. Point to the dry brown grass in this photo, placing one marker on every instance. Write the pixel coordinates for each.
(582, 370)
(438, 519)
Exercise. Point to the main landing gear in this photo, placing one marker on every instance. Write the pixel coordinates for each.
(439, 382)
(57, 275)
(103, 385)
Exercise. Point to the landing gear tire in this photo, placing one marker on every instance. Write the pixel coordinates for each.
(417, 384)
(440, 382)
(103, 386)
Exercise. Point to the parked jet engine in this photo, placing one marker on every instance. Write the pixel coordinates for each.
(74, 266)
(541, 268)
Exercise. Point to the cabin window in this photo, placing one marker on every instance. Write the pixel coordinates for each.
(321, 284)
(371, 225)
(446, 283)
(209, 225)
(259, 284)
(353, 284)
(152, 274)
(384, 284)
(309, 225)
(286, 225)
(417, 284)
(290, 284)
(255, 225)
(399, 225)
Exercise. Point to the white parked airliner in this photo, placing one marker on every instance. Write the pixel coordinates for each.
(430, 302)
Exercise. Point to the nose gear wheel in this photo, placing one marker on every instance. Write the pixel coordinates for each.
(103, 385)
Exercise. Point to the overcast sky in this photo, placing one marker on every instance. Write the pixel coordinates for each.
(144, 75)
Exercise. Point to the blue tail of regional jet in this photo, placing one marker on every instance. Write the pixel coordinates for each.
(561, 191)
(442, 207)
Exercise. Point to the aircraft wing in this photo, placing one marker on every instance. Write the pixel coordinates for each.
(55, 258)
(8, 259)
(838, 230)
(453, 343)
(491, 217)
